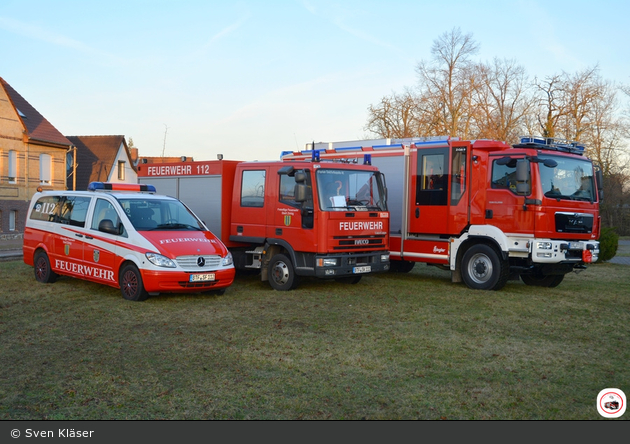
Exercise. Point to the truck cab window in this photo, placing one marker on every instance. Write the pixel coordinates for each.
(287, 190)
(253, 188)
(431, 180)
(458, 174)
(504, 176)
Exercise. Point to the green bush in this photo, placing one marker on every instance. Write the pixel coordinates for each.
(608, 243)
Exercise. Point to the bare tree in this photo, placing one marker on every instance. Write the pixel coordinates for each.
(549, 104)
(502, 100)
(446, 82)
(396, 116)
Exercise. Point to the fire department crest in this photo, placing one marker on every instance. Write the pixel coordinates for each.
(66, 249)
(287, 220)
(96, 255)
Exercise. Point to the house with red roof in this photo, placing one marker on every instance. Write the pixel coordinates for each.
(32, 154)
(100, 159)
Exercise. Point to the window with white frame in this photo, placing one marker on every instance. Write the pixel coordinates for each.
(45, 168)
(121, 170)
(12, 219)
(12, 166)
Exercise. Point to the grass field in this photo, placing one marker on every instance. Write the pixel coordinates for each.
(394, 346)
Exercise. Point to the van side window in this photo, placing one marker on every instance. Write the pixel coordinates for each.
(74, 210)
(46, 209)
(103, 210)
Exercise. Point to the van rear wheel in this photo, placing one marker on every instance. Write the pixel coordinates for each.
(131, 285)
(43, 271)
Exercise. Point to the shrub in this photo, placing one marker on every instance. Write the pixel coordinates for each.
(608, 243)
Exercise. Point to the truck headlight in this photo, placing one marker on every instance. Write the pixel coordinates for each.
(384, 257)
(543, 245)
(227, 260)
(160, 261)
(327, 262)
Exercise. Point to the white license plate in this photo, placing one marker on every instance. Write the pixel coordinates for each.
(202, 277)
(576, 246)
(362, 269)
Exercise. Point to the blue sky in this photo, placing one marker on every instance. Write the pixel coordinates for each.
(249, 79)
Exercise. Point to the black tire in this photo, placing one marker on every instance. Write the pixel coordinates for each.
(281, 273)
(538, 280)
(401, 266)
(483, 269)
(349, 279)
(131, 285)
(43, 272)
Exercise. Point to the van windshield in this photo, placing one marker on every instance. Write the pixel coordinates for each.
(159, 214)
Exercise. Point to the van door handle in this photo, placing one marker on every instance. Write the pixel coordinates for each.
(417, 213)
(88, 237)
(78, 234)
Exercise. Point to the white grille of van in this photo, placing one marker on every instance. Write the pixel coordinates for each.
(191, 263)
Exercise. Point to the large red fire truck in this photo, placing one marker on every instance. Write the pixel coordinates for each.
(483, 209)
(308, 218)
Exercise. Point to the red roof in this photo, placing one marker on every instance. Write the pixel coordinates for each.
(37, 127)
(95, 157)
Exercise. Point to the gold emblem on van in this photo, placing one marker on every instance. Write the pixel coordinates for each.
(96, 255)
(66, 249)
(287, 220)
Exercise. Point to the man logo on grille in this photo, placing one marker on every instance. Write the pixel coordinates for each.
(201, 262)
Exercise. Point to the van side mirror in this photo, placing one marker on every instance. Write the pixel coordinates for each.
(107, 226)
(522, 177)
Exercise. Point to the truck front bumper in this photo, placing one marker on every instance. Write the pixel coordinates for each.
(547, 251)
(351, 264)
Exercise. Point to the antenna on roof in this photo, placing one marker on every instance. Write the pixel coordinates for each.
(164, 146)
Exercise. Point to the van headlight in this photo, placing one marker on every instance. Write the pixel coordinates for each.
(227, 260)
(160, 261)
(544, 245)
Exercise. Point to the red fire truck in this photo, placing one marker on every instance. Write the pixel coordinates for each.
(483, 209)
(307, 218)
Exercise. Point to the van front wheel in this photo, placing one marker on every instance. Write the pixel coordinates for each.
(131, 285)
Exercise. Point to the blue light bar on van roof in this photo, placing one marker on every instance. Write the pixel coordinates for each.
(109, 186)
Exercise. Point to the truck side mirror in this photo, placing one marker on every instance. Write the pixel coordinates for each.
(300, 177)
(599, 178)
(522, 177)
(300, 192)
